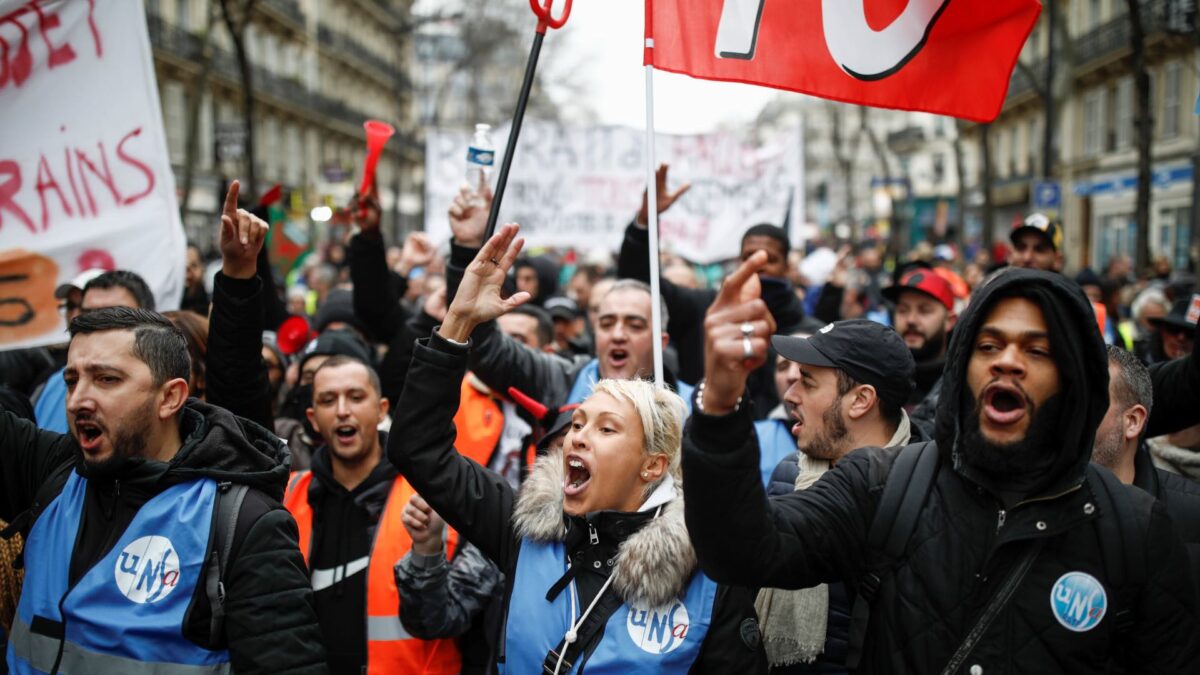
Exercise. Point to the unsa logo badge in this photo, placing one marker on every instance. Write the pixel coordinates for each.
(1078, 601)
(147, 569)
(660, 630)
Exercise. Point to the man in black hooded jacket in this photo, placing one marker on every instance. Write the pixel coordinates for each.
(120, 507)
(1025, 388)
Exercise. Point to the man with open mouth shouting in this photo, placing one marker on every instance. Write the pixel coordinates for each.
(157, 541)
(995, 548)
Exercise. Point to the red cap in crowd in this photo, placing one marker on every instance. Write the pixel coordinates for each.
(924, 281)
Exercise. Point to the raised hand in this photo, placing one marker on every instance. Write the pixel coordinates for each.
(366, 212)
(479, 295)
(418, 252)
(469, 215)
(424, 526)
(242, 237)
(665, 197)
(737, 331)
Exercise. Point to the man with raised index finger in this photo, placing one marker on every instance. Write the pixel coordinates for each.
(1021, 557)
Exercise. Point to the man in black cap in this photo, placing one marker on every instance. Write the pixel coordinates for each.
(1037, 244)
(1178, 328)
(855, 377)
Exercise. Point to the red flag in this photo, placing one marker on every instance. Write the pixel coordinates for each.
(951, 57)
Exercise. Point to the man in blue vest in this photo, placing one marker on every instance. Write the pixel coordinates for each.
(128, 568)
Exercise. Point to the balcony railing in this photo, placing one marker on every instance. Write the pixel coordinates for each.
(1021, 83)
(180, 43)
(288, 8)
(1158, 16)
(340, 42)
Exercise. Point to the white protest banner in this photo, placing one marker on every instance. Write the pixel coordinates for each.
(580, 188)
(85, 181)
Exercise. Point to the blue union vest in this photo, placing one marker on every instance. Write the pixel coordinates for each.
(775, 441)
(125, 614)
(589, 375)
(635, 640)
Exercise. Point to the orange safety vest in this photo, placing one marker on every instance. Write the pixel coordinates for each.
(479, 422)
(390, 649)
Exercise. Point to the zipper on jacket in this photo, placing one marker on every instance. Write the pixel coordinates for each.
(1000, 520)
(593, 536)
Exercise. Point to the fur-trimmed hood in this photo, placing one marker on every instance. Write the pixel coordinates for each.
(653, 564)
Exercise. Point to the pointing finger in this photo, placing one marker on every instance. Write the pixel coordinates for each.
(231, 198)
(731, 290)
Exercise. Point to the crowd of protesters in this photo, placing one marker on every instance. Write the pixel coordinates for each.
(405, 459)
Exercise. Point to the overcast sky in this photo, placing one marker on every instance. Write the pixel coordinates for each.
(607, 35)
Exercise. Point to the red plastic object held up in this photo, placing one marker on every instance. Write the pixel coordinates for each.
(378, 134)
(293, 334)
(531, 406)
(546, 17)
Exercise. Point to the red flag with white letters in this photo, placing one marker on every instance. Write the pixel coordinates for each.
(951, 57)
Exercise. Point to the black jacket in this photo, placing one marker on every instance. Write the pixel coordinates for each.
(270, 623)
(686, 308)
(482, 506)
(344, 525)
(965, 540)
(1180, 497)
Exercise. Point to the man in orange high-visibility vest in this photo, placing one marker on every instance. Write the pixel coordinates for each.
(348, 508)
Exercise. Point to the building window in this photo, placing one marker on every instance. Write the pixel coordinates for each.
(1124, 123)
(1093, 19)
(1093, 123)
(1033, 143)
(174, 104)
(183, 14)
(1014, 142)
(1170, 109)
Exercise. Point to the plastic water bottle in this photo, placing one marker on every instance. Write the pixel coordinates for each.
(481, 156)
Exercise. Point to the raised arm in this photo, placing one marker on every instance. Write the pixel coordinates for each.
(237, 377)
(473, 500)
(741, 538)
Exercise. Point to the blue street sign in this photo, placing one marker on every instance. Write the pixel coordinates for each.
(1047, 195)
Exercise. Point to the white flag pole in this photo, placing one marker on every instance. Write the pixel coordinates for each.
(656, 327)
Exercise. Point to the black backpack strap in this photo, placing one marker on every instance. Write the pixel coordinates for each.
(904, 492)
(225, 515)
(1122, 542)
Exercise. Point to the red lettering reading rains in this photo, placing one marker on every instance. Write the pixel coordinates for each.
(94, 183)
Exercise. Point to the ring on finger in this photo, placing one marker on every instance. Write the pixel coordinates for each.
(747, 329)
(495, 262)
(747, 349)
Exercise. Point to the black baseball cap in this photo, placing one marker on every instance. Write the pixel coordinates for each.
(1178, 316)
(337, 342)
(869, 352)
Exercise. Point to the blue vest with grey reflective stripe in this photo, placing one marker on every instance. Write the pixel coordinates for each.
(635, 640)
(126, 614)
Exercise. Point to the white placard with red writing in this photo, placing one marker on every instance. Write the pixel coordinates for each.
(580, 187)
(85, 179)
